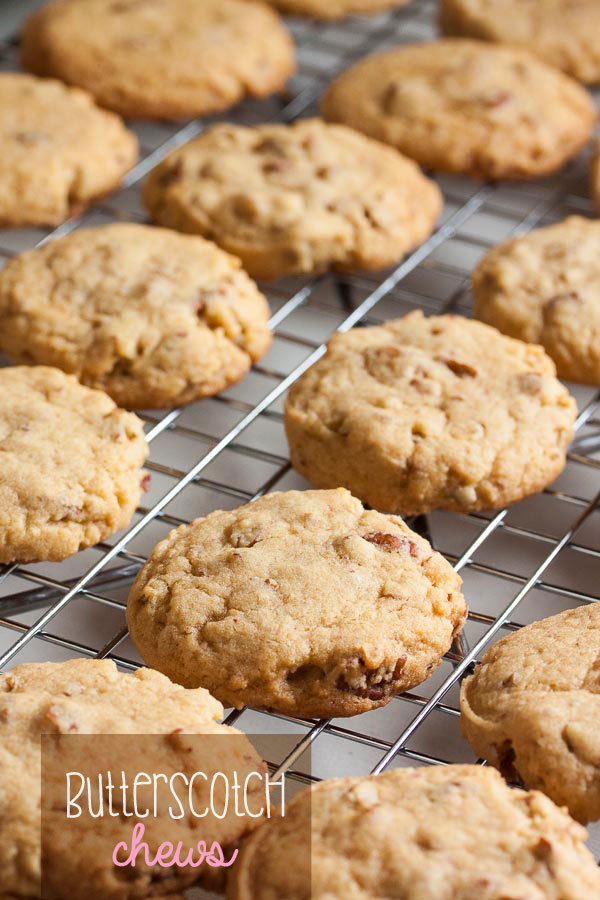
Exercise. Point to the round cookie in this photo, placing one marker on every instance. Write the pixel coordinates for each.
(301, 602)
(561, 32)
(169, 59)
(70, 473)
(466, 107)
(432, 833)
(545, 288)
(335, 9)
(152, 317)
(532, 708)
(58, 151)
(90, 697)
(296, 198)
(426, 413)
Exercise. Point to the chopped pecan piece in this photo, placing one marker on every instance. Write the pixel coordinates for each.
(392, 543)
(542, 849)
(375, 693)
(399, 667)
(460, 369)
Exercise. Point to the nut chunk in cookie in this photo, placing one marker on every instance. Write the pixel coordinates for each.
(301, 602)
(58, 151)
(296, 198)
(431, 833)
(154, 318)
(466, 107)
(161, 59)
(425, 413)
(532, 708)
(70, 465)
(180, 735)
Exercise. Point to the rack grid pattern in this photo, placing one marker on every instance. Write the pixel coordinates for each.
(521, 564)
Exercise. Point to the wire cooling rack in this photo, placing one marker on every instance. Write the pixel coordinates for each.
(525, 563)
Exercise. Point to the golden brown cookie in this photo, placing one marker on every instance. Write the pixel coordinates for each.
(532, 708)
(425, 413)
(432, 833)
(466, 107)
(301, 602)
(564, 33)
(58, 151)
(90, 697)
(544, 287)
(296, 198)
(154, 318)
(165, 59)
(71, 465)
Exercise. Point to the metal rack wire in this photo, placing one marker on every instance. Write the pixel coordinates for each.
(521, 564)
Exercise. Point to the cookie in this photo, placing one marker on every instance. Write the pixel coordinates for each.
(296, 198)
(561, 32)
(71, 459)
(58, 151)
(335, 9)
(432, 833)
(545, 288)
(90, 697)
(426, 413)
(532, 708)
(301, 602)
(154, 318)
(169, 59)
(466, 107)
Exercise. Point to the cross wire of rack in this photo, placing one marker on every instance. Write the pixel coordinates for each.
(518, 565)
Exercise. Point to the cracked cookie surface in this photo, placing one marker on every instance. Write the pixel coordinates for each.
(71, 465)
(154, 318)
(164, 59)
(91, 697)
(296, 198)
(301, 602)
(466, 107)
(532, 708)
(58, 151)
(431, 833)
(425, 413)
(563, 33)
(544, 287)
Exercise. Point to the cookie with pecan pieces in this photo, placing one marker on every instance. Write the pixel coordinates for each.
(466, 107)
(425, 413)
(532, 708)
(154, 318)
(161, 59)
(545, 287)
(106, 721)
(301, 602)
(71, 465)
(59, 152)
(429, 833)
(296, 198)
